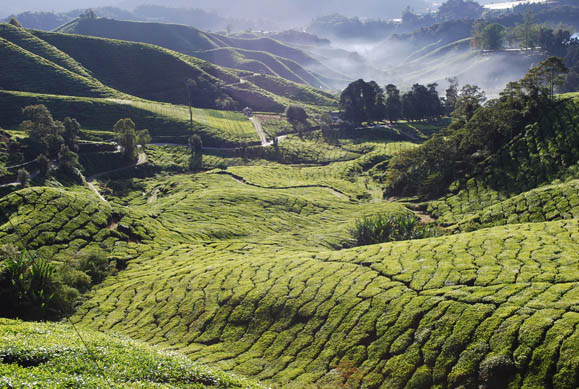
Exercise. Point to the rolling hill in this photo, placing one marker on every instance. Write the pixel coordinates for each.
(258, 55)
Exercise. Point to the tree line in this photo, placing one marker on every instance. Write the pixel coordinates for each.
(367, 102)
(54, 144)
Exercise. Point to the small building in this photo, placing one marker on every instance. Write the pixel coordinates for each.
(247, 111)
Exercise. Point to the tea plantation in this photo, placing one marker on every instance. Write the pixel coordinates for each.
(245, 269)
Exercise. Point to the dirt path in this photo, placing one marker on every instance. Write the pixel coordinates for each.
(260, 132)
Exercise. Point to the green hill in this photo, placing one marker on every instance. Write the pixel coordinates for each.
(259, 55)
(50, 63)
(27, 71)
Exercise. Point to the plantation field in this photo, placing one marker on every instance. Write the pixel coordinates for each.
(417, 314)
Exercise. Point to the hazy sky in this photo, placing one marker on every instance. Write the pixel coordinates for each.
(287, 9)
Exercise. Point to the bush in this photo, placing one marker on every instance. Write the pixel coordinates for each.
(32, 288)
(384, 228)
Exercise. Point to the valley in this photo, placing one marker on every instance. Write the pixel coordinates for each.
(188, 209)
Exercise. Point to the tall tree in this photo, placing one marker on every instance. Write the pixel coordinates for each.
(375, 102)
(352, 102)
(491, 37)
(393, 103)
(44, 133)
(71, 133)
(127, 138)
(67, 161)
(196, 146)
(470, 99)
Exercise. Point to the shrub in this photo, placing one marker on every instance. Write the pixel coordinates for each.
(384, 228)
(32, 288)
(94, 263)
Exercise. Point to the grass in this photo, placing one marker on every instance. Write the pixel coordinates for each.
(233, 125)
(41, 355)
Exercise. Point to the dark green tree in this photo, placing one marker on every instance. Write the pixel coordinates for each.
(542, 80)
(393, 109)
(352, 103)
(23, 177)
(71, 133)
(13, 21)
(67, 161)
(196, 146)
(127, 138)
(45, 134)
(491, 37)
(451, 96)
(375, 103)
(470, 99)
(297, 116)
(460, 9)
(143, 137)
(43, 165)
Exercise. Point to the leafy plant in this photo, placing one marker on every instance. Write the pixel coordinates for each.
(383, 228)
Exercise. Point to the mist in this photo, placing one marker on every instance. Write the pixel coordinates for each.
(284, 12)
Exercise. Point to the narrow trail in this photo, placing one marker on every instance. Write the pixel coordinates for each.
(242, 180)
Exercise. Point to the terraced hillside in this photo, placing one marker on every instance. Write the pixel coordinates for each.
(257, 55)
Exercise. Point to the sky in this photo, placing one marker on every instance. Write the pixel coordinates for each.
(299, 10)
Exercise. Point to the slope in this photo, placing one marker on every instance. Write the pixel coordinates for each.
(244, 268)
(31, 71)
(258, 55)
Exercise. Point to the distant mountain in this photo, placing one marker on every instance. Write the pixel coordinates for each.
(259, 55)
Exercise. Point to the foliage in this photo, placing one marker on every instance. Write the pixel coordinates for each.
(515, 142)
(196, 146)
(13, 21)
(67, 162)
(491, 37)
(383, 228)
(27, 285)
(126, 136)
(143, 137)
(296, 115)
